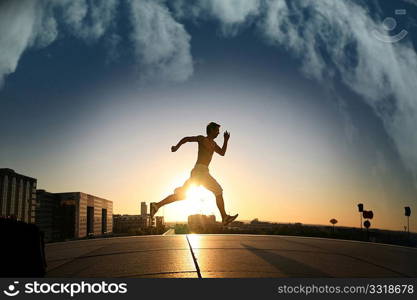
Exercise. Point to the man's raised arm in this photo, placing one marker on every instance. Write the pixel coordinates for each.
(222, 150)
(185, 140)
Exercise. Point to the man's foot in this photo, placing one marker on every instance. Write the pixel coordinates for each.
(226, 221)
(154, 209)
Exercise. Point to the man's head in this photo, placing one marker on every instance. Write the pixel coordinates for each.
(213, 130)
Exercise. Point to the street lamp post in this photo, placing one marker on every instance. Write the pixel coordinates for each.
(360, 208)
(408, 214)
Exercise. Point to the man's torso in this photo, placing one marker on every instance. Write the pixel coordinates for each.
(205, 150)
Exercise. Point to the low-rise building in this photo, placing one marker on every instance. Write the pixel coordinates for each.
(130, 223)
(73, 215)
(201, 223)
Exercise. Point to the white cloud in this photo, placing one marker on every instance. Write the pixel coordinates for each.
(231, 13)
(46, 28)
(161, 44)
(228, 12)
(17, 19)
(27, 23)
(88, 20)
(338, 37)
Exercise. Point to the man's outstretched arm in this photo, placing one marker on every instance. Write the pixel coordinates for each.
(185, 140)
(222, 150)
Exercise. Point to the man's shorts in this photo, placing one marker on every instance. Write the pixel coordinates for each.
(200, 176)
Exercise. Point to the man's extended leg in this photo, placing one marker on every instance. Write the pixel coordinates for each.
(179, 194)
(171, 198)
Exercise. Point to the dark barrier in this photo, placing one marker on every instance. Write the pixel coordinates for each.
(23, 249)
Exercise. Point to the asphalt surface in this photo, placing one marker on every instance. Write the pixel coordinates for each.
(228, 256)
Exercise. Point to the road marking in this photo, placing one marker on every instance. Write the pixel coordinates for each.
(194, 259)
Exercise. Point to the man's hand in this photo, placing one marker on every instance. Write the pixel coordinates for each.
(174, 148)
(222, 150)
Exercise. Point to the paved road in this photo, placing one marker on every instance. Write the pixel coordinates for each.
(169, 232)
(228, 256)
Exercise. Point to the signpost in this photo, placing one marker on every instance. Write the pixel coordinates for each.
(367, 214)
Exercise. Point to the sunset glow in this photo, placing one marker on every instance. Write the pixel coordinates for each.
(322, 115)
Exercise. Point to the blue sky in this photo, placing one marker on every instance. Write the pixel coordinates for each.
(93, 94)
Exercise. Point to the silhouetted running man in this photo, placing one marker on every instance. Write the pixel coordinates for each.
(200, 173)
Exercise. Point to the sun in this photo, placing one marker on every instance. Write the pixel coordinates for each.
(198, 201)
(197, 192)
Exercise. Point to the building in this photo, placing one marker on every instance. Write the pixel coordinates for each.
(17, 196)
(51, 217)
(143, 209)
(159, 221)
(201, 223)
(130, 223)
(73, 215)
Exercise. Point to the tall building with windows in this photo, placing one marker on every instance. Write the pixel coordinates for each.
(159, 221)
(143, 209)
(17, 196)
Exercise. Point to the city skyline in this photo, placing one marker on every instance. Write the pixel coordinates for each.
(193, 209)
(322, 113)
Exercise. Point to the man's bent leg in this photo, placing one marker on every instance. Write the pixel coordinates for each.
(220, 205)
(212, 185)
(226, 219)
